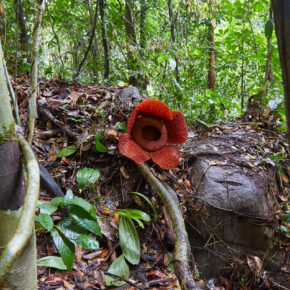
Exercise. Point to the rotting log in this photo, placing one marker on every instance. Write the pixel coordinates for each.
(182, 247)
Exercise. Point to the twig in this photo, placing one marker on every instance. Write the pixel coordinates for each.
(56, 122)
(26, 219)
(182, 247)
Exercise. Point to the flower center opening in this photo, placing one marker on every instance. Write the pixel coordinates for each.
(151, 133)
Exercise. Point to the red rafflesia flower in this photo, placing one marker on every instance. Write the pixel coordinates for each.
(150, 128)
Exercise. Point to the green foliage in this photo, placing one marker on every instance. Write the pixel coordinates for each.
(87, 175)
(119, 267)
(70, 150)
(70, 231)
(52, 262)
(242, 30)
(147, 200)
(99, 146)
(129, 240)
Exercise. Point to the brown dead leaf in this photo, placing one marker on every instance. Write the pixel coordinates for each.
(74, 96)
(255, 263)
(284, 178)
(124, 173)
(156, 274)
(53, 280)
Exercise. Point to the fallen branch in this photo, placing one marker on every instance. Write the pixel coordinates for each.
(182, 248)
(26, 220)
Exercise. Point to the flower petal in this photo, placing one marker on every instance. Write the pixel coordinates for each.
(154, 108)
(167, 157)
(132, 150)
(177, 129)
(149, 132)
(131, 120)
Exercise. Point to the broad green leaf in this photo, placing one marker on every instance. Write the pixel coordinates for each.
(52, 262)
(46, 221)
(99, 146)
(120, 268)
(87, 175)
(89, 208)
(149, 202)
(71, 229)
(65, 248)
(70, 150)
(83, 219)
(46, 207)
(88, 243)
(129, 240)
(268, 29)
(57, 201)
(68, 196)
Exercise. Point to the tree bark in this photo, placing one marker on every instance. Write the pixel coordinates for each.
(172, 20)
(105, 40)
(142, 25)
(211, 50)
(22, 274)
(20, 19)
(281, 11)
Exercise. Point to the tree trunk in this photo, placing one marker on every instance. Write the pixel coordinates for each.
(22, 274)
(172, 20)
(281, 11)
(20, 20)
(105, 41)
(211, 50)
(142, 26)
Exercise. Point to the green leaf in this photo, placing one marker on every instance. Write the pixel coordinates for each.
(52, 262)
(88, 243)
(122, 126)
(87, 175)
(102, 115)
(134, 214)
(65, 248)
(285, 230)
(120, 268)
(149, 202)
(68, 196)
(99, 146)
(89, 208)
(71, 229)
(129, 240)
(286, 217)
(67, 151)
(83, 219)
(46, 221)
(57, 201)
(46, 208)
(268, 29)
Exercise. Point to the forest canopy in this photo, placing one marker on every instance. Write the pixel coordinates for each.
(204, 57)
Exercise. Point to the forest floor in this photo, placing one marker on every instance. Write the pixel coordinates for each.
(70, 114)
